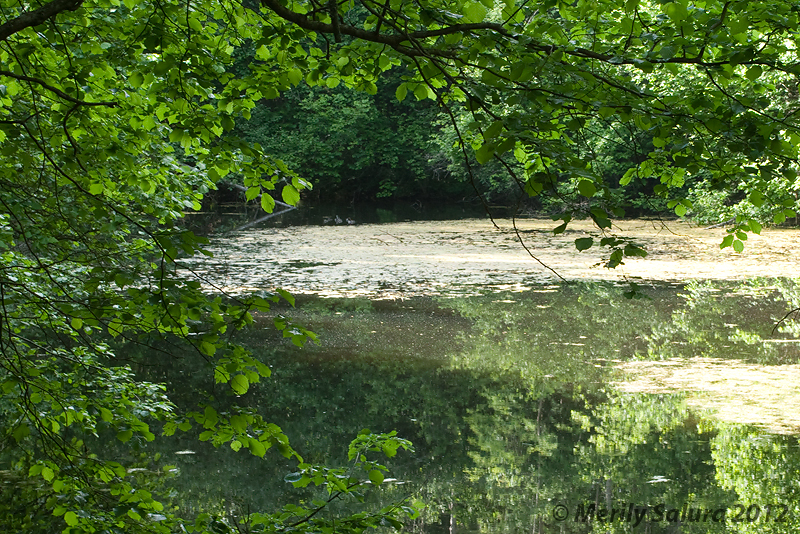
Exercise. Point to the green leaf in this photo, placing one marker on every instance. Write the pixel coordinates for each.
(376, 477)
(505, 146)
(401, 92)
(47, 473)
(136, 79)
(210, 417)
(267, 203)
(726, 241)
(252, 192)
(475, 12)
(587, 188)
(290, 195)
(240, 384)
(207, 348)
(257, 448)
(285, 450)
(371, 88)
(738, 24)
(676, 11)
(606, 112)
(584, 243)
(296, 76)
(71, 518)
(21, 432)
(636, 251)
(627, 177)
(239, 423)
(494, 130)
(421, 91)
(738, 246)
(484, 153)
(288, 297)
(390, 448)
(753, 73)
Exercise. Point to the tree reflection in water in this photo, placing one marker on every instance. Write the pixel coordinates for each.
(511, 403)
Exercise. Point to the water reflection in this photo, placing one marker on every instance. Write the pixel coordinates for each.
(511, 403)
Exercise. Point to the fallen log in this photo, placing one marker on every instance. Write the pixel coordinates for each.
(726, 223)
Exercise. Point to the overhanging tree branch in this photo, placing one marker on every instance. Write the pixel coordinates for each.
(402, 41)
(395, 41)
(37, 16)
(55, 90)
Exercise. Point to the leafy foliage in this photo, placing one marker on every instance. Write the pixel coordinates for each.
(115, 117)
(354, 145)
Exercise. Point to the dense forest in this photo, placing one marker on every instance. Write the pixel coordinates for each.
(374, 149)
(355, 146)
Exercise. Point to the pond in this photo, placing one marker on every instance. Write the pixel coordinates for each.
(472, 256)
(535, 403)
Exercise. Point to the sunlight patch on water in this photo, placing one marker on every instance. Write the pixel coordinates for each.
(734, 391)
(471, 257)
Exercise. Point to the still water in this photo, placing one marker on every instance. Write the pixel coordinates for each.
(540, 406)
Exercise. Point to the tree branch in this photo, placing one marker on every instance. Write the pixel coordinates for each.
(58, 92)
(37, 16)
(617, 60)
(395, 41)
(334, 9)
